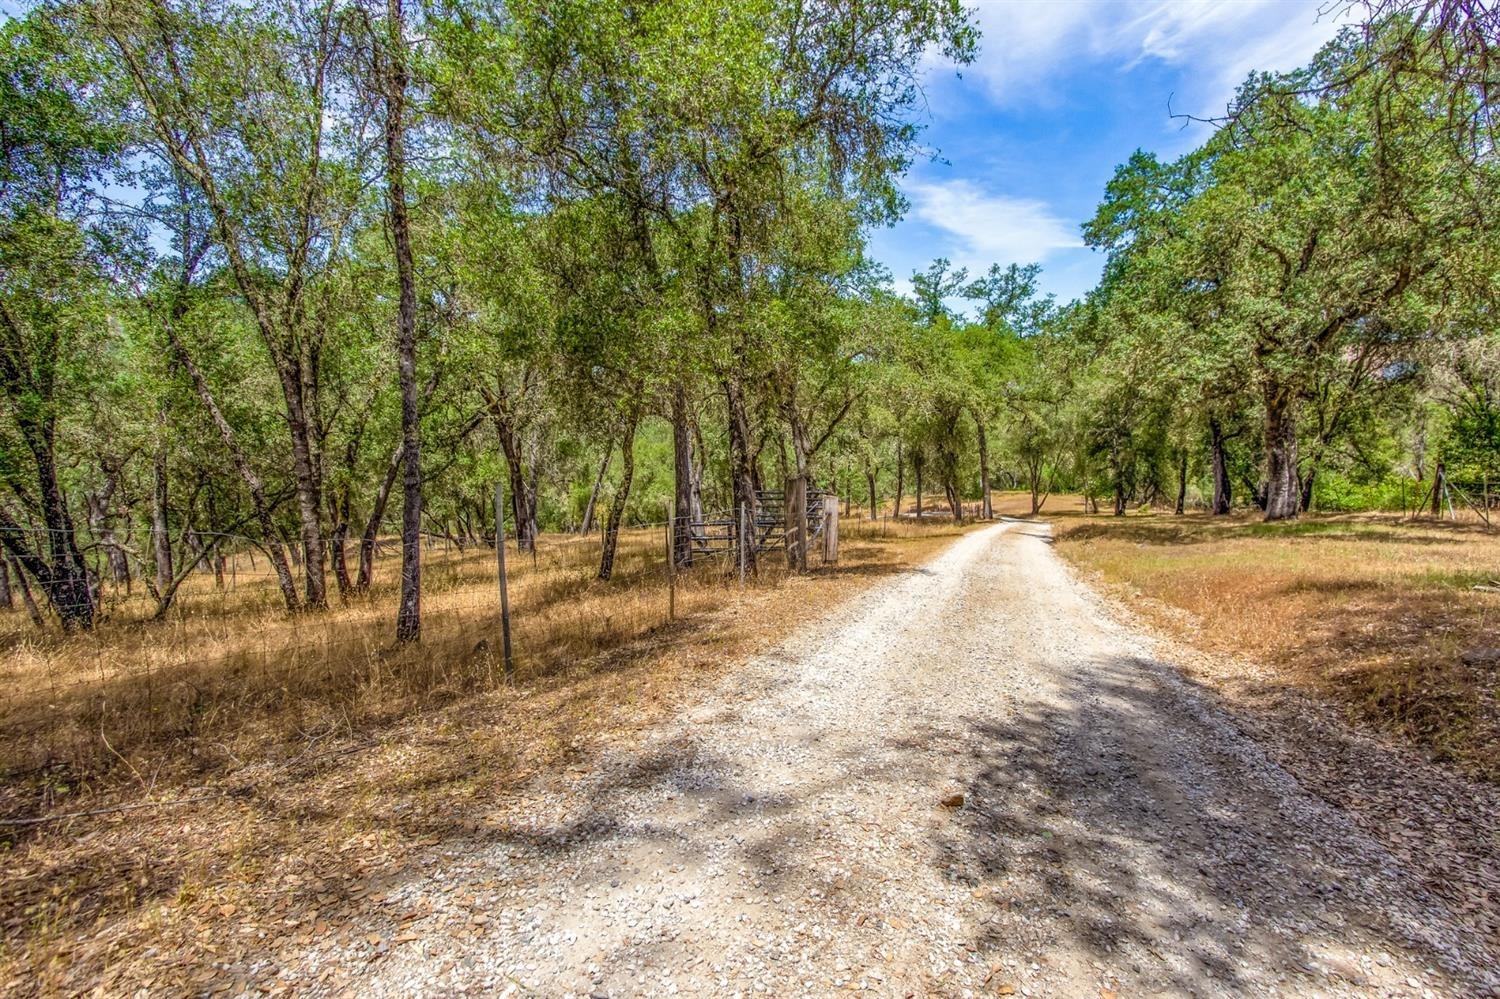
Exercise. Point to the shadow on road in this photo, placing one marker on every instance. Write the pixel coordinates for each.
(1172, 864)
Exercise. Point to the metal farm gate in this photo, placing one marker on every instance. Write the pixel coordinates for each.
(770, 526)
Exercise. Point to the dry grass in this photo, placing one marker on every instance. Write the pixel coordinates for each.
(316, 764)
(1376, 613)
(231, 662)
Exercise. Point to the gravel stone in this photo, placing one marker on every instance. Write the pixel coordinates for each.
(1112, 832)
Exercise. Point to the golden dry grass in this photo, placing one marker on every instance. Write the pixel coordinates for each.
(1376, 613)
(231, 660)
(311, 778)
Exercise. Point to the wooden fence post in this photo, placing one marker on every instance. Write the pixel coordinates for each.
(830, 530)
(796, 523)
(504, 589)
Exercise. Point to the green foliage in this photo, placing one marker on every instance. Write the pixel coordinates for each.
(1306, 268)
(638, 240)
(1337, 493)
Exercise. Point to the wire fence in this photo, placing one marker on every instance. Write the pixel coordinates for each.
(228, 652)
(228, 647)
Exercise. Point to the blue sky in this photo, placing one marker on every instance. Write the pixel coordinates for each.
(1061, 93)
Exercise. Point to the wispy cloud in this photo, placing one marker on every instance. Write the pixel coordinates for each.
(1028, 44)
(985, 228)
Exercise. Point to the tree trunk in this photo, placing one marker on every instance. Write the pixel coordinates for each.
(339, 546)
(1257, 494)
(617, 505)
(987, 509)
(900, 478)
(1119, 496)
(409, 610)
(916, 467)
(533, 530)
(67, 584)
(700, 466)
(1305, 495)
(309, 491)
(27, 600)
(1034, 481)
(372, 525)
(161, 540)
(1439, 486)
(341, 511)
(1223, 500)
(522, 497)
(797, 530)
(56, 564)
(101, 515)
(7, 602)
(742, 461)
(870, 481)
(119, 565)
(682, 480)
(101, 523)
(588, 511)
(1182, 472)
(802, 446)
(1283, 497)
(247, 474)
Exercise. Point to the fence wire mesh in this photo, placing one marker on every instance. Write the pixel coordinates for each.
(228, 649)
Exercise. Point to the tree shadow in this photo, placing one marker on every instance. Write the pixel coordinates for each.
(1062, 818)
(116, 876)
(1172, 866)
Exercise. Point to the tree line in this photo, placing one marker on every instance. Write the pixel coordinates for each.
(1312, 291)
(311, 272)
(1298, 313)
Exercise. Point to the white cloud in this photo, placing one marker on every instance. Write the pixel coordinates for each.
(1027, 44)
(990, 228)
(957, 219)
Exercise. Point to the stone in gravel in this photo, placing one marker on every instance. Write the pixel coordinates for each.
(1106, 785)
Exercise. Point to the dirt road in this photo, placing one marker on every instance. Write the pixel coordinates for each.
(972, 781)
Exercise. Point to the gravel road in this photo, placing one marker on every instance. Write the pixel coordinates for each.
(970, 781)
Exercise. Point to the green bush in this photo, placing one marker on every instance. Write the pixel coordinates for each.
(1340, 494)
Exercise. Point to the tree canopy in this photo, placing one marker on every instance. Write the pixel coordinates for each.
(262, 262)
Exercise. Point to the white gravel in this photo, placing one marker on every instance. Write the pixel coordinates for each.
(788, 835)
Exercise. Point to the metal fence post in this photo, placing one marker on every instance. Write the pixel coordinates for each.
(671, 563)
(504, 589)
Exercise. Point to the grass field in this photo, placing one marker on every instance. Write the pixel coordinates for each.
(234, 779)
(1375, 613)
(234, 774)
